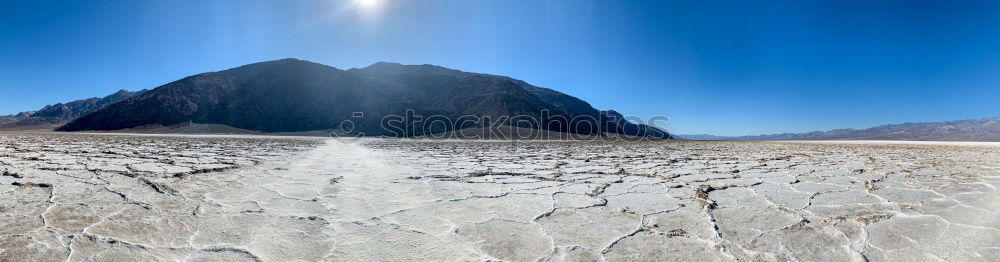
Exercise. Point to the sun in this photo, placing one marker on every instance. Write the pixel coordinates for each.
(367, 3)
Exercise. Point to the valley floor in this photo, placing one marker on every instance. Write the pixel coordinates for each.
(107, 197)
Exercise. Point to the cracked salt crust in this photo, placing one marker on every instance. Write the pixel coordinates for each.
(82, 197)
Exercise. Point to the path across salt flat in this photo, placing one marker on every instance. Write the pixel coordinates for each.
(108, 197)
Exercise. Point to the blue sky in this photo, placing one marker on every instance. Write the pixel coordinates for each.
(717, 67)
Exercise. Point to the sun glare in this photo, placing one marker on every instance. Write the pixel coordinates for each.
(367, 3)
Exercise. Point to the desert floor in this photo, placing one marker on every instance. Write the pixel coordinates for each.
(109, 197)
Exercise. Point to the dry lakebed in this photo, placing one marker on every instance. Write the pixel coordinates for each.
(108, 197)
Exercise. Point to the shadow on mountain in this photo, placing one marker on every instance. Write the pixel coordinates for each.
(384, 99)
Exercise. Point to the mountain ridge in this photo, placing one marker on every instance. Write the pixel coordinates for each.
(291, 95)
(60, 113)
(983, 129)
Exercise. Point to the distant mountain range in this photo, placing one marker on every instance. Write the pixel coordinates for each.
(291, 95)
(986, 129)
(52, 116)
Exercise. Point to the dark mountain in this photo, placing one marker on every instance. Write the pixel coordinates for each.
(54, 115)
(292, 95)
(986, 129)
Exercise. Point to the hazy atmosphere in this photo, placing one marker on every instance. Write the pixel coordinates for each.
(722, 68)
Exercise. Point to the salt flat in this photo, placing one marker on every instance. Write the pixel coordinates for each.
(82, 197)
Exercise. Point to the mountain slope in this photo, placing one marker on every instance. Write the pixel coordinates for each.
(986, 129)
(54, 115)
(292, 95)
